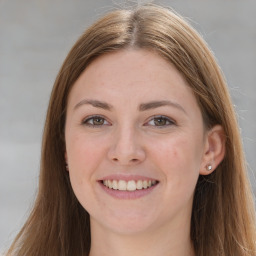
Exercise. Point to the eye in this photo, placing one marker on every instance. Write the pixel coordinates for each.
(95, 121)
(160, 121)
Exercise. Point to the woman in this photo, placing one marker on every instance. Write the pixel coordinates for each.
(141, 151)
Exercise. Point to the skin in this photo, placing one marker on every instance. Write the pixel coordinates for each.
(126, 140)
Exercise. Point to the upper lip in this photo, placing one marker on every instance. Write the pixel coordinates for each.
(126, 177)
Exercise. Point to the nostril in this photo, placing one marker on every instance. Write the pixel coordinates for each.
(133, 160)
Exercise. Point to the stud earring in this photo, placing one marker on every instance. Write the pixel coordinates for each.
(209, 167)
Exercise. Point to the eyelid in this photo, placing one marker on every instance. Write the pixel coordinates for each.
(86, 119)
(170, 120)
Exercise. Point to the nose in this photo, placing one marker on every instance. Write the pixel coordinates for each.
(126, 147)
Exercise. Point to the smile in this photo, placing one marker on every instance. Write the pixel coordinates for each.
(130, 185)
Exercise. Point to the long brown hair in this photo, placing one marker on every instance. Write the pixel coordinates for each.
(223, 221)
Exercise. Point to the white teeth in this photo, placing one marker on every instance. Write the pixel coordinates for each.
(121, 185)
(145, 184)
(109, 184)
(114, 184)
(131, 185)
(139, 184)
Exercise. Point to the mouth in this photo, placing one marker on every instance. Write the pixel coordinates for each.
(130, 185)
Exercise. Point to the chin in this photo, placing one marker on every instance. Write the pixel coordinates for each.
(127, 224)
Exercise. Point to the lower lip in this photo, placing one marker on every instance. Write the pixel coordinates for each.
(121, 194)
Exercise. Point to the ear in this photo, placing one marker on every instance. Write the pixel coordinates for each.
(214, 150)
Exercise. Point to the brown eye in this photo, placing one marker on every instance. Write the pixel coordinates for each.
(98, 121)
(160, 121)
(95, 121)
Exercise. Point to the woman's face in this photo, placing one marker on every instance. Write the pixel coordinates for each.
(135, 143)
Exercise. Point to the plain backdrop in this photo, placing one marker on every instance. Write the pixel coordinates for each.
(35, 37)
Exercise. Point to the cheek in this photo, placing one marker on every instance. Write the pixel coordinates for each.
(83, 152)
(179, 160)
(84, 156)
(179, 152)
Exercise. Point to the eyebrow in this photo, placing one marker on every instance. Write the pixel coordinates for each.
(162, 103)
(94, 103)
(142, 106)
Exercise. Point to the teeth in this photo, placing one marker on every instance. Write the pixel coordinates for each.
(121, 185)
(139, 184)
(131, 185)
(114, 184)
(109, 184)
(145, 184)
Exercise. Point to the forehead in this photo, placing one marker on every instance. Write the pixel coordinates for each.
(132, 75)
(133, 64)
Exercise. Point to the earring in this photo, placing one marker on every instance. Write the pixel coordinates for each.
(209, 167)
(67, 168)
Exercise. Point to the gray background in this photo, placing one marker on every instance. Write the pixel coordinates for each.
(36, 35)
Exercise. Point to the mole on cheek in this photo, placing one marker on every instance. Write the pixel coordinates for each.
(175, 154)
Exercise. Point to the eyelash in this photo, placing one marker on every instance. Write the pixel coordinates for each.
(92, 119)
(167, 121)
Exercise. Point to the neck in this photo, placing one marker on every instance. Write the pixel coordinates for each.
(151, 243)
